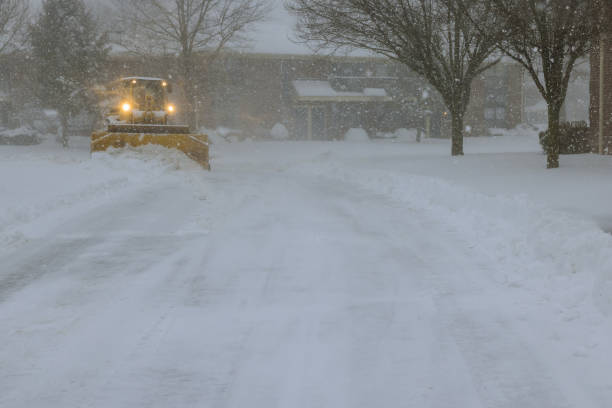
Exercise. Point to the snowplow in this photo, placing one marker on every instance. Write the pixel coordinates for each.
(140, 114)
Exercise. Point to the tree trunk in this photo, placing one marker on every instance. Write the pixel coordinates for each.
(457, 134)
(552, 151)
(63, 130)
(188, 88)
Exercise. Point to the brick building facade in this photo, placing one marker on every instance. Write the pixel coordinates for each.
(601, 83)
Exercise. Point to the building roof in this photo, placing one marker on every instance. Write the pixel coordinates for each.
(322, 91)
(141, 78)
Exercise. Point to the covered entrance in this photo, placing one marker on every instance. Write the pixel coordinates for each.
(323, 113)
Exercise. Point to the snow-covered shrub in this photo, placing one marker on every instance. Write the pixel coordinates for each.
(230, 135)
(385, 135)
(356, 135)
(20, 136)
(214, 138)
(406, 135)
(573, 138)
(279, 132)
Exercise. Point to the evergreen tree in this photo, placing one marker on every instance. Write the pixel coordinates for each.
(68, 50)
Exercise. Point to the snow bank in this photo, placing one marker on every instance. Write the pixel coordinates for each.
(401, 135)
(279, 132)
(44, 187)
(356, 135)
(20, 136)
(145, 161)
(519, 131)
(534, 246)
(406, 135)
(230, 135)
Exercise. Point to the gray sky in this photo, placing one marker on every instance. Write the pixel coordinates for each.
(271, 36)
(274, 34)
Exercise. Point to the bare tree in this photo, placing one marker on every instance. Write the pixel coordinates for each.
(546, 37)
(13, 22)
(431, 37)
(188, 28)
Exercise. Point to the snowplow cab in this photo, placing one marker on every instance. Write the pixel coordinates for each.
(142, 100)
(140, 114)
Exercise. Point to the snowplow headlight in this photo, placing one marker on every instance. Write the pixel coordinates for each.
(171, 108)
(126, 107)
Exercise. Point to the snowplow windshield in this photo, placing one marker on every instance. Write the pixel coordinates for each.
(145, 94)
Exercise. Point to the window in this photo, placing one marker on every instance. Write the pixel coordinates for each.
(500, 113)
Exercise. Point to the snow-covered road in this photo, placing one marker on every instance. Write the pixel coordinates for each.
(283, 283)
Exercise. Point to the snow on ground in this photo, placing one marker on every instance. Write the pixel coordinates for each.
(43, 186)
(331, 274)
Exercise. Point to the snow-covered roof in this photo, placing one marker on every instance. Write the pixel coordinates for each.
(141, 78)
(315, 90)
(540, 106)
(375, 92)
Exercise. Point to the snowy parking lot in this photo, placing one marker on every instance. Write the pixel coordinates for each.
(296, 274)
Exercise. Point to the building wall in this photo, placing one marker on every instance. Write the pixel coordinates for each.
(497, 99)
(255, 92)
(594, 87)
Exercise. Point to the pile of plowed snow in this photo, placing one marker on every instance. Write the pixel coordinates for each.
(534, 246)
(44, 186)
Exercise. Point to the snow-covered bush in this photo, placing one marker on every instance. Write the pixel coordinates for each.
(279, 132)
(20, 136)
(230, 135)
(573, 138)
(214, 138)
(356, 135)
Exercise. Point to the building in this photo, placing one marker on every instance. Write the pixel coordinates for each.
(320, 97)
(497, 99)
(600, 86)
(315, 97)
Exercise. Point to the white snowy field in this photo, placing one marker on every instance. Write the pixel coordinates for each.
(328, 274)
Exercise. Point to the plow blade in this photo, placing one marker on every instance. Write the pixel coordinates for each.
(155, 129)
(195, 146)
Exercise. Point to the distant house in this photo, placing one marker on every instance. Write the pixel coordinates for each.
(315, 97)
(321, 97)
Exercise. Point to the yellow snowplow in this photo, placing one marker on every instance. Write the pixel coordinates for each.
(140, 115)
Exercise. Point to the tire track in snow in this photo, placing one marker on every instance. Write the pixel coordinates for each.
(504, 371)
(95, 265)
